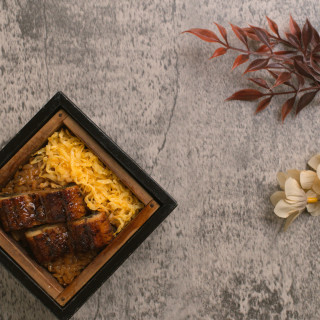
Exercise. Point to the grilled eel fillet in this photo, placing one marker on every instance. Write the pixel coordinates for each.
(26, 210)
(88, 233)
(51, 242)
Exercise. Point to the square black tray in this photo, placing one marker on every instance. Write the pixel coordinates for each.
(166, 202)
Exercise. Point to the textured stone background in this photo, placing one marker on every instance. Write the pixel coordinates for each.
(221, 254)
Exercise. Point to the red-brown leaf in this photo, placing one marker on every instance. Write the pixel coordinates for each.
(204, 34)
(315, 37)
(250, 34)
(273, 26)
(289, 62)
(298, 58)
(275, 75)
(262, 35)
(293, 40)
(260, 82)
(307, 34)
(315, 75)
(275, 66)
(302, 69)
(222, 31)
(316, 49)
(242, 58)
(257, 64)
(287, 107)
(314, 64)
(219, 52)
(246, 95)
(263, 104)
(263, 48)
(240, 34)
(294, 28)
(282, 78)
(284, 52)
(316, 58)
(305, 100)
(300, 80)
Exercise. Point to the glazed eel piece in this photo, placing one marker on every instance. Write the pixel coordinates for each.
(26, 210)
(51, 242)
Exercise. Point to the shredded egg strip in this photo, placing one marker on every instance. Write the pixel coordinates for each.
(66, 159)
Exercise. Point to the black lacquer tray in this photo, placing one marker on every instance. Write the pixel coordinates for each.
(64, 302)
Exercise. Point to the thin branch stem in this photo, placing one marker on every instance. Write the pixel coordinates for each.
(289, 92)
(271, 55)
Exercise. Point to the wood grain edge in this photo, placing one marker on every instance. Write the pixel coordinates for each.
(35, 143)
(110, 162)
(107, 253)
(45, 280)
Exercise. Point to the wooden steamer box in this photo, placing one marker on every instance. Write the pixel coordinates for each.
(61, 112)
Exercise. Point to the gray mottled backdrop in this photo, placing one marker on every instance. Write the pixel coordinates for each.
(221, 254)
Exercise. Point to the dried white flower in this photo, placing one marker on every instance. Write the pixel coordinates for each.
(313, 205)
(301, 190)
(314, 163)
(283, 176)
(307, 178)
(292, 200)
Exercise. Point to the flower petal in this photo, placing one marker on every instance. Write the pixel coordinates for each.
(316, 185)
(307, 178)
(283, 209)
(311, 194)
(318, 171)
(291, 218)
(282, 177)
(314, 209)
(314, 162)
(294, 173)
(277, 196)
(295, 194)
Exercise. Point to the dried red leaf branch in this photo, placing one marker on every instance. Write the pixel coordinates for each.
(293, 61)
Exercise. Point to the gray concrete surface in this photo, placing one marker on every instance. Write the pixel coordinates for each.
(221, 254)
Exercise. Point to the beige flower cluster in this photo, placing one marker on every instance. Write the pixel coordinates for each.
(300, 191)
